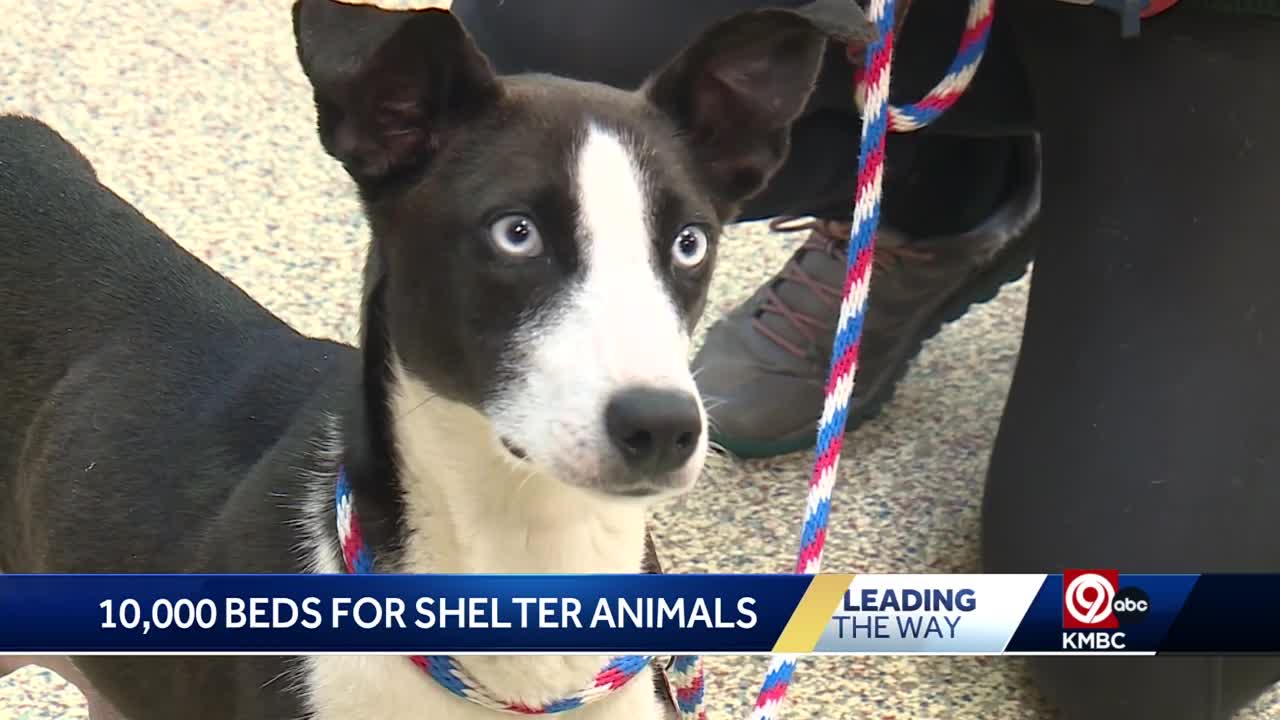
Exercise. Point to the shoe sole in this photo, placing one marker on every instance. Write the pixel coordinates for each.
(1010, 266)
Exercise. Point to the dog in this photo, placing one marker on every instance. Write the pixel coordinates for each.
(520, 395)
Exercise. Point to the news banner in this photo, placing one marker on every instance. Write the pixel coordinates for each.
(1086, 611)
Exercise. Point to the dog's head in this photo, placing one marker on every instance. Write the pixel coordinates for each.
(542, 247)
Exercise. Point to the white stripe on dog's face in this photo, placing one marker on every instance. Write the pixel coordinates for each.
(616, 326)
(639, 332)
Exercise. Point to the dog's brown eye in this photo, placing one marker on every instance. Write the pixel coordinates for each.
(690, 247)
(516, 235)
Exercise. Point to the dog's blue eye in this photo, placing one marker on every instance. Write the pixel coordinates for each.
(516, 235)
(690, 247)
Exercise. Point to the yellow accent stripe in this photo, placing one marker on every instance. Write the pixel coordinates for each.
(812, 614)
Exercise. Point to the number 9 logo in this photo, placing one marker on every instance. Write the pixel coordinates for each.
(1088, 599)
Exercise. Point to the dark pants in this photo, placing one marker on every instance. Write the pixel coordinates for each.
(621, 41)
(1141, 430)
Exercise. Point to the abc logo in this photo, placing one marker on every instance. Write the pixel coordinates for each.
(1131, 605)
(1093, 600)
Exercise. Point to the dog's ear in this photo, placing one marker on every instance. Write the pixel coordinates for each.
(736, 89)
(389, 85)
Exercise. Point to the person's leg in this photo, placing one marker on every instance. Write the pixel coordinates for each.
(620, 42)
(1140, 430)
(951, 236)
(765, 363)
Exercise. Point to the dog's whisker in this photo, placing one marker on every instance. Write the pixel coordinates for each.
(277, 676)
(722, 450)
(417, 407)
(712, 424)
(528, 476)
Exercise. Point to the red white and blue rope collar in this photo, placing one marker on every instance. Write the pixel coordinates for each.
(685, 675)
(357, 559)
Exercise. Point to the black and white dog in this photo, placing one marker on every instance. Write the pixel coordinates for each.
(541, 250)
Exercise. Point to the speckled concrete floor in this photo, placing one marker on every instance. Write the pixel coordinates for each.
(196, 111)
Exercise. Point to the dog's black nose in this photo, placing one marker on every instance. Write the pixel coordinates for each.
(656, 430)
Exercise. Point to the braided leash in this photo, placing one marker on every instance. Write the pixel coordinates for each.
(685, 676)
(973, 44)
(878, 118)
(873, 86)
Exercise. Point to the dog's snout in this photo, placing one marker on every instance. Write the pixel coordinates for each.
(656, 430)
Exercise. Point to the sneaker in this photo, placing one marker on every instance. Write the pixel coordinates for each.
(762, 369)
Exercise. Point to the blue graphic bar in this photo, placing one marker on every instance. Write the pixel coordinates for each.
(410, 614)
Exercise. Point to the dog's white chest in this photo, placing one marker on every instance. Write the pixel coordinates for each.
(380, 687)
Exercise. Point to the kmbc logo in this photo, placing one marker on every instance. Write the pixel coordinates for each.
(1094, 600)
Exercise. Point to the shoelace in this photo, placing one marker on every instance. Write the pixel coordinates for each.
(829, 237)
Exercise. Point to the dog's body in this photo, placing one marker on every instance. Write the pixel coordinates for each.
(122, 450)
(540, 253)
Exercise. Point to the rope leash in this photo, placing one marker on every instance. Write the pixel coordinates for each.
(973, 44)
(872, 85)
(685, 676)
(878, 118)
